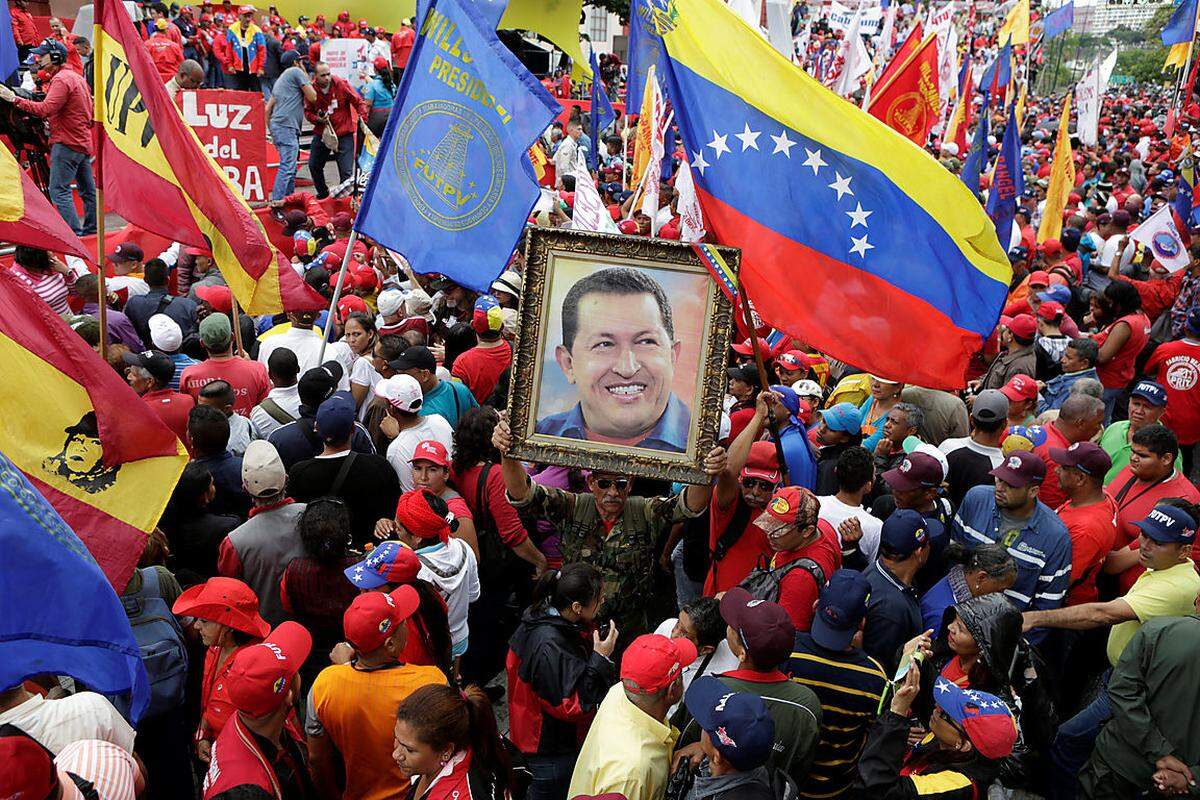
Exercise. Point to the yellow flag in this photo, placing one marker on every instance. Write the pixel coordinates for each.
(1021, 105)
(647, 122)
(12, 197)
(1062, 179)
(1177, 56)
(1016, 26)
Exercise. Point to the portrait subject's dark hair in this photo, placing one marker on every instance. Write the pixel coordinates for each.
(613, 280)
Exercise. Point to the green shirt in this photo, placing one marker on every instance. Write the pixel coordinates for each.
(1115, 442)
(450, 399)
(1154, 695)
(624, 554)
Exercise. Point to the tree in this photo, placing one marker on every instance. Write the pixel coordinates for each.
(618, 7)
(1143, 65)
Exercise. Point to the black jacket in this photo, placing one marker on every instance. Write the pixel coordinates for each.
(933, 774)
(556, 682)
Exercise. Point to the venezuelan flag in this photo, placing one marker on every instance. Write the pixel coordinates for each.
(853, 239)
(87, 443)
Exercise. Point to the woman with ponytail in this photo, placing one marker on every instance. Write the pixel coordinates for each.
(559, 669)
(314, 590)
(446, 742)
(380, 94)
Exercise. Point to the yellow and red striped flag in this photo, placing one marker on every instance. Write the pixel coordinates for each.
(26, 216)
(158, 176)
(101, 456)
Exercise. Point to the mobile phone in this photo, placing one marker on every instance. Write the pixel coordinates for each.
(911, 661)
(603, 630)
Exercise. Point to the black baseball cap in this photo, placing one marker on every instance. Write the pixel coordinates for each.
(415, 357)
(157, 363)
(747, 373)
(840, 609)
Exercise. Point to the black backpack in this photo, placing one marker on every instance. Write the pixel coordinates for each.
(763, 582)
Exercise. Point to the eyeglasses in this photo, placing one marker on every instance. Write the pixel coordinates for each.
(605, 484)
(758, 483)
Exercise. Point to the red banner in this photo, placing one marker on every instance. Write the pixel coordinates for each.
(232, 126)
(909, 102)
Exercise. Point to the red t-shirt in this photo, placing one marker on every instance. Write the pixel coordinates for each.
(172, 408)
(248, 379)
(1092, 530)
(1117, 372)
(480, 368)
(508, 522)
(1135, 499)
(1176, 366)
(1051, 493)
(798, 590)
(745, 553)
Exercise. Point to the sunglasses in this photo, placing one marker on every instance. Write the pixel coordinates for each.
(607, 483)
(758, 483)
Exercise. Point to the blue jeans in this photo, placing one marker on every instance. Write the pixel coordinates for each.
(67, 166)
(287, 142)
(551, 776)
(1111, 396)
(686, 589)
(1074, 743)
(267, 85)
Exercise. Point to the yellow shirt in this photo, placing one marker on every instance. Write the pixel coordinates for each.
(626, 751)
(357, 710)
(1157, 593)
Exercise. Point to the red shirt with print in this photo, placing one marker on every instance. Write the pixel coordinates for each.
(248, 379)
(1176, 367)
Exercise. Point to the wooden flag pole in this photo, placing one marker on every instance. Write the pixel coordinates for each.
(98, 115)
(762, 377)
(237, 328)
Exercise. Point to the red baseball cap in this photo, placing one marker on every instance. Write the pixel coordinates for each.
(763, 463)
(350, 303)
(1023, 326)
(226, 601)
(218, 297)
(26, 768)
(794, 360)
(787, 503)
(653, 662)
(1020, 387)
(1039, 277)
(1050, 247)
(1051, 310)
(432, 451)
(374, 616)
(746, 348)
(261, 673)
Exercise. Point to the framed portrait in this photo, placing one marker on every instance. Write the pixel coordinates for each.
(620, 353)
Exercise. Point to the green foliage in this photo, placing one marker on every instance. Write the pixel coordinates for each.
(1143, 65)
(618, 7)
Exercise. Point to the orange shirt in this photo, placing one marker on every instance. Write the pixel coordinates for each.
(356, 709)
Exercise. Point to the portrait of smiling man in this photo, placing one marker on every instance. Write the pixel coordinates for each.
(619, 350)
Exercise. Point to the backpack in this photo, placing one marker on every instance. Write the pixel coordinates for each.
(763, 582)
(498, 564)
(160, 641)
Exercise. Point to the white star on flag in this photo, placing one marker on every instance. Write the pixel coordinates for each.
(814, 160)
(841, 186)
(858, 216)
(698, 161)
(782, 144)
(943, 686)
(861, 246)
(748, 138)
(718, 144)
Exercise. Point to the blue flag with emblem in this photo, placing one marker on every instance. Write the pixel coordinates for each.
(452, 184)
(646, 24)
(602, 114)
(9, 57)
(60, 614)
(1059, 21)
(1008, 182)
(976, 160)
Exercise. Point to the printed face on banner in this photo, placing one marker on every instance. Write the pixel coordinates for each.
(621, 355)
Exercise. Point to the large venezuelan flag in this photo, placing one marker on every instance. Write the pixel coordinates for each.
(158, 176)
(92, 448)
(26, 216)
(853, 239)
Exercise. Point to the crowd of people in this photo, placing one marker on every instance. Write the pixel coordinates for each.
(880, 590)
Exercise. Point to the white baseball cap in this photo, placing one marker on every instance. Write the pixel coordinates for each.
(165, 333)
(263, 474)
(390, 301)
(402, 391)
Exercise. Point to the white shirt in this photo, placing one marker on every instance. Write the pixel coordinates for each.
(57, 723)
(379, 49)
(835, 512)
(306, 344)
(401, 449)
(287, 398)
(453, 570)
(241, 433)
(994, 453)
(134, 286)
(723, 660)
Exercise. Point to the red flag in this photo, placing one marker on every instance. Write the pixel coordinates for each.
(909, 103)
(27, 217)
(910, 45)
(158, 176)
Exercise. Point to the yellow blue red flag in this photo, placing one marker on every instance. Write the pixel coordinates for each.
(853, 239)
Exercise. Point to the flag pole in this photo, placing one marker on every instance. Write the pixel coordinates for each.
(237, 329)
(337, 293)
(98, 116)
(762, 377)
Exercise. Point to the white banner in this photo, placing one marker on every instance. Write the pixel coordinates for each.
(841, 17)
(940, 20)
(691, 221)
(348, 59)
(589, 212)
(1160, 234)
(1087, 107)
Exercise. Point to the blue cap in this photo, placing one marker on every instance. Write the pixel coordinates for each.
(1153, 393)
(840, 609)
(903, 533)
(738, 723)
(789, 398)
(49, 45)
(1168, 525)
(985, 718)
(335, 418)
(1058, 293)
(843, 417)
(1167, 175)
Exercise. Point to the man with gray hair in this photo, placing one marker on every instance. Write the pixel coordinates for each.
(190, 75)
(902, 421)
(1078, 363)
(1079, 420)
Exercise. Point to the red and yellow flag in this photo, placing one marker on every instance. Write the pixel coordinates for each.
(26, 216)
(157, 175)
(903, 53)
(647, 128)
(101, 456)
(1062, 179)
(909, 102)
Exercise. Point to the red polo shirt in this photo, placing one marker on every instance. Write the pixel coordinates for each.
(1051, 493)
(172, 408)
(1092, 530)
(67, 107)
(1135, 499)
(798, 590)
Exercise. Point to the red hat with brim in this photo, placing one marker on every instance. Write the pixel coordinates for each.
(226, 601)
